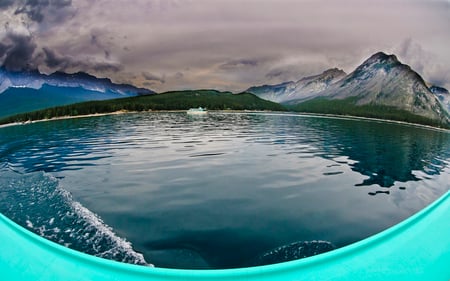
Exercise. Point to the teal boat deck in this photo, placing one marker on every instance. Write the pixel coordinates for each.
(415, 249)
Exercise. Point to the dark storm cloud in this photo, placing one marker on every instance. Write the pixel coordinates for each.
(17, 51)
(54, 60)
(61, 3)
(36, 9)
(18, 48)
(33, 9)
(6, 3)
(3, 49)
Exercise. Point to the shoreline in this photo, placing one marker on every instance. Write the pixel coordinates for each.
(351, 117)
(292, 113)
(64, 118)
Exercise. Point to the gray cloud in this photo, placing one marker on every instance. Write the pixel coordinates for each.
(414, 54)
(36, 9)
(242, 63)
(18, 43)
(424, 62)
(24, 45)
(54, 60)
(179, 75)
(226, 44)
(6, 3)
(17, 51)
(100, 66)
(275, 73)
(61, 3)
(153, 78)
(293, 72)
(97, 41)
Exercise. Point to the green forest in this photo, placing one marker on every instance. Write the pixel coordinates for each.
(216, 100)
(177, 100)
(348, 107)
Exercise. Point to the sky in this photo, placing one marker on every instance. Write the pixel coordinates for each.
(221, 44)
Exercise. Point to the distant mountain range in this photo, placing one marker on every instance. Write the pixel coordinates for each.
(28, 91)
(380, 87)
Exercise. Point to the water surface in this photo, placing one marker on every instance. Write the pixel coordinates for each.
(217, 191)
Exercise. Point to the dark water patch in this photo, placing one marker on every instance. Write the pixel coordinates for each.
(332, 173)
(188, 142)
(334, 165)
(379, 192)
(207, 154)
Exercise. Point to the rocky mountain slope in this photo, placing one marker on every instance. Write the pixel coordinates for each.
(31, 90)
(381, 83)
(443, 96)
(301, 89)
(383, 80)
(36, 80)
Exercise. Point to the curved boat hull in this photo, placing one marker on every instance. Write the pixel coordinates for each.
(415, 249)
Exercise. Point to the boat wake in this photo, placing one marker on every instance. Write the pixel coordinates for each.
(37, 201)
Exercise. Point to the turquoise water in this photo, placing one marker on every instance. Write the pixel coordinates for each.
(216, 191)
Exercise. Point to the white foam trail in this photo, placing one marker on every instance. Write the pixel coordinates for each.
(38, 202)
(103, 229)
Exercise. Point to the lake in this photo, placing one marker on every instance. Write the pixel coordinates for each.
(224, 190)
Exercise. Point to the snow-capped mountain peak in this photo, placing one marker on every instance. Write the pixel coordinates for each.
(36, 80)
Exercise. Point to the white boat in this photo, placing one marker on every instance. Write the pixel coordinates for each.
(197, 111)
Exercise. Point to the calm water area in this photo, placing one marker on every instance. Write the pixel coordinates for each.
(223, 190)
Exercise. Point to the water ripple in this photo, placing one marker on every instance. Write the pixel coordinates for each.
(223, 189)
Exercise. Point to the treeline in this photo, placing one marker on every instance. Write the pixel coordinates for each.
(215, 100)
(348, 107)
(179, 100)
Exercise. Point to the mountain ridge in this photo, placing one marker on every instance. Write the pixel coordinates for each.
(30, 90)
(381, 87)
(35, 80)
(380, 81)
(300, 89)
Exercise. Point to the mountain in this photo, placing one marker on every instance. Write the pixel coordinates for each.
(301, 89)
(31, 90)
(443, 96)
(383, 80)
(35, 80)
(381, 87)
